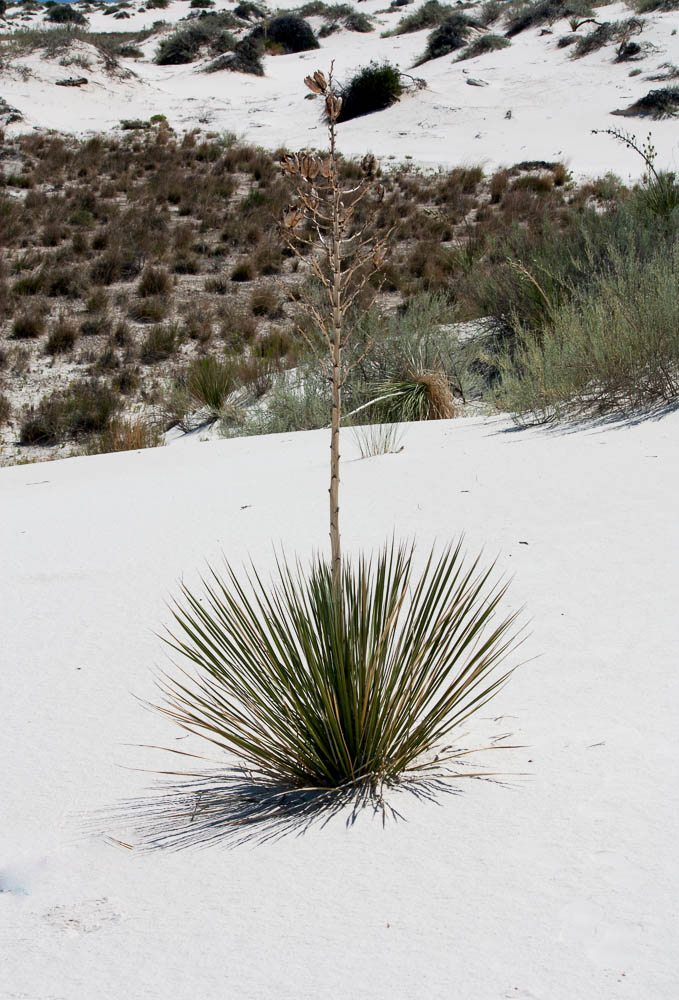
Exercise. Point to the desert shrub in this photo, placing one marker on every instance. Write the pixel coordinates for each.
(427, 16)
(84, 408)
(604, 34)
(149, 310)
(648, 6)
(448, 37)
(159, 344)
(243, 271)
(28, 325)
(415, 394)
(131, 434)
(248, 10)
(185, 44)
(62, 337)
(484, 43)
(5, 409)
(210, 382)
(245, 58)
(322, 688)
(657, 104)
(533, 15)
(63, 13)
(611, 347)
(154, 281)
(372, 88)
(96, 326)
(287, 32)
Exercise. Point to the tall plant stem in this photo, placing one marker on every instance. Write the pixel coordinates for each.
(336, 261)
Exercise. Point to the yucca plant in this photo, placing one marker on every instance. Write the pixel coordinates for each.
(349, 673)
(322, 693)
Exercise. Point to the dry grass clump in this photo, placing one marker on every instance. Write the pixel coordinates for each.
(29, 325)
(127, 434)
(62, 337)
(86, 407)
(160, 343)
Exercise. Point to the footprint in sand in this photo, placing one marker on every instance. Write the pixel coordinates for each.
(82, 918)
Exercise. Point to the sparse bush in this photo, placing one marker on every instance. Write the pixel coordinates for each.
(28, 325)
(62, 338)
(378, 439)
(427, 16)
(159, 344)
(604, 34)
(126, 435)
(245, 58)
(448, 37)
(372, 88)
(657, 104)
(611, 347)
(484, 43)
(154, 281)
(5, 410)
(533, 15)
(415, 394)
(150, 310)
(84, 408)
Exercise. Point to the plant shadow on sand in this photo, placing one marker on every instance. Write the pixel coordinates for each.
(234, 806)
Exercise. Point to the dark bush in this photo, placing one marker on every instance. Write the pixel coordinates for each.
(245, 58)
(248, 10)
(5, 409)
(154, 281)
(160, 344)
(426, 16)
(663, 103)
(28, 325)
(373, 88)
(483, 44)
(288, 32)
(62, 338)
(546, 12)
(448, 37)
(63, 13)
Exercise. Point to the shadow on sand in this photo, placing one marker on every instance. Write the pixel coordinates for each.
(236, 806)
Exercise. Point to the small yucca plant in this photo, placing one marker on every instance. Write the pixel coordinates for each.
(317, 692)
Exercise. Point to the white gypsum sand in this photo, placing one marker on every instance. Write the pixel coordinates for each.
(561, 885)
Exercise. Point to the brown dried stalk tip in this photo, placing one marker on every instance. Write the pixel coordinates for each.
(333, 106)
(309, 166)
(316, 83)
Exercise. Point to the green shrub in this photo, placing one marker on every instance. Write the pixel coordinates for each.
(427, 16)
(288, 33)
(447, 38)
(484, 43)
(209, 382)
(63, 13)
(159, 344)
(372, 88)
(245, 58)
(248, 10)
(604, 34)
(611, 347)
(533, 15)
(325, 692)
(84, 408)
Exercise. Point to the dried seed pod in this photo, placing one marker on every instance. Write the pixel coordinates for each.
(379, 257)
(325, 167)
(333, 106)
(290, 163)
(292, 216)
(309, 166)
(312, 85)
(320, 81)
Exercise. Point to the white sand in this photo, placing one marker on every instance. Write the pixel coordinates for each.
(555, 102)
(562, 886)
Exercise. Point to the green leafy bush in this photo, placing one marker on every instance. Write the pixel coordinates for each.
(533, 15)
(426, 16)
(372, 88)
(63, 13)
(323, 690)
(658, 104)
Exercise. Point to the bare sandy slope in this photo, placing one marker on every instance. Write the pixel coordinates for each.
(536, 102)
(562, 885)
